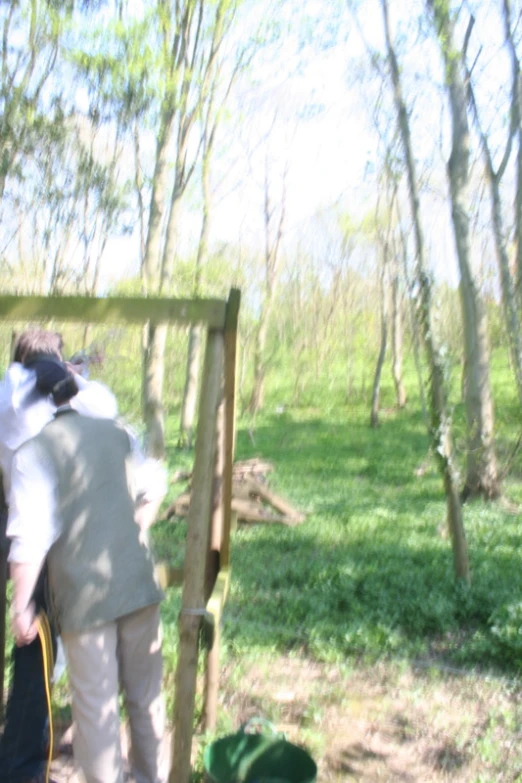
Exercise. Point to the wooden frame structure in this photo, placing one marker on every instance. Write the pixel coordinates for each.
(206, 572)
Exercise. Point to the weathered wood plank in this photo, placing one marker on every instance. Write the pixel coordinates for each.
(210, 696)
(211, 312)
(192, 601)
(232, 317)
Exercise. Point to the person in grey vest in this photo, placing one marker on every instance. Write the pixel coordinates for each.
(79, 473)
(24, 411)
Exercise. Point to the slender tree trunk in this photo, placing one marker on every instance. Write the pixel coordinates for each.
(512, 294)
(272, 265)
(188, 405)
(376, 391)
(413, 325)
(397, 340)
(154, 351)
(516, 119)
(192, 53)
(152, 258)
(482, 475)
(257, 399)
(155, 336)
(190, 392)
(138, 183)
(440, 421)
(155, 342)
(511, 312)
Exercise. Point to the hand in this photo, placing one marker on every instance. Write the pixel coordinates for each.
(24, 626)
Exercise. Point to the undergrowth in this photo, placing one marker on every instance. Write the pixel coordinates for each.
(370, 572)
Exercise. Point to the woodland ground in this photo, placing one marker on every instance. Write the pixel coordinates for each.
(348, 632)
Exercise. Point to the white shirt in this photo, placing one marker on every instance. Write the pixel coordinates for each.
(34, 523)
(24, 411)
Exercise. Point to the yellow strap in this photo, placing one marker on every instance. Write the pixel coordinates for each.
(44, 633)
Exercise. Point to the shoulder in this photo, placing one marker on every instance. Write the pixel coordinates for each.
(102, 427)
(18, 381)
(32, 452)
(94, 399)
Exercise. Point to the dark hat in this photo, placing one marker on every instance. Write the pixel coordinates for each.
(53, 377)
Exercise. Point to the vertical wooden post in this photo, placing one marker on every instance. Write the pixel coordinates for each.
(216, 515)
(212, 682)
(192, 603)
(231, 320)
(221, 518)
(213, 566)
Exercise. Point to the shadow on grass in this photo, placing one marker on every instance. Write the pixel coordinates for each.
(370, 572)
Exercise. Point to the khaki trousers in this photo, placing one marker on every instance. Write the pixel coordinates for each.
(125, 652)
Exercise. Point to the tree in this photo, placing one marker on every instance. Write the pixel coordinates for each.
(191, 39)
(482, 475)
(30, 45)
(212, 112)
(494, 177)
(440, 417)
(274, 221)
(516, 128)
(374, 415)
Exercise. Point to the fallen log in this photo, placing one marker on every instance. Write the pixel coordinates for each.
(253, 512)
(279, 503)
(252, 500)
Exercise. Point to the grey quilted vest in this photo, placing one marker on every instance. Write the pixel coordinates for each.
(98, 568)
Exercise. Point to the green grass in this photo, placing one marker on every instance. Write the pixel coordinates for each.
(370, 572)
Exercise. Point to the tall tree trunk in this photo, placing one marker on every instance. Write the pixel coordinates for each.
(509, 298)
(155, 336)
(516, 120)
(376, 391)
(482, 475)
(397, 339)
(138, 184)
(152, 259)
(440, 420)
(257, 400)
(211, 122)
(188, 405)
(413, 324)
(156, 340)
(154, 351)
(190, 391)
(512, 302)
(272, 266)
(192, 55)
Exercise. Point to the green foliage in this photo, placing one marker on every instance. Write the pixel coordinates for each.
(119, 64)
(506, 629)
(369, 574)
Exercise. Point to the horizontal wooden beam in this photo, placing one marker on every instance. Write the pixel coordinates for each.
(114, 309)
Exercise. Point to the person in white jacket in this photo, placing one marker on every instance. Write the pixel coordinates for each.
(24, 411)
